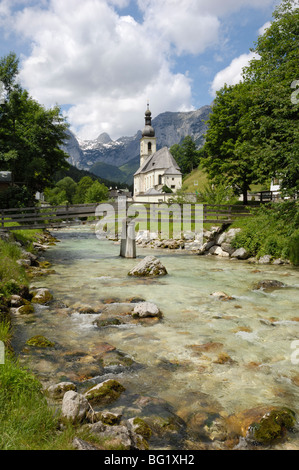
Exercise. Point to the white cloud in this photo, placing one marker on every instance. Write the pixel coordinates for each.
(232, 74)
(104, 65)
(263, 28)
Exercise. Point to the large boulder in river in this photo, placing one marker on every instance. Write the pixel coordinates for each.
(149, 266)
(146, 309)
(74, 406)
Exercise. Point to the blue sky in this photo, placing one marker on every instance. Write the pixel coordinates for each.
(101, 60)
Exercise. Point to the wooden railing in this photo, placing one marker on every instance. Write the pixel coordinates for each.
(61, 216)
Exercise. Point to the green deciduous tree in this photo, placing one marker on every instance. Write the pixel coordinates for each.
(228, 146)
(30, 135)
(81, 190)
(186, 155)
(97, 192)
(273, 117)
(253, 133)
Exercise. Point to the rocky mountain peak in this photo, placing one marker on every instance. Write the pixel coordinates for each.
(104, 138)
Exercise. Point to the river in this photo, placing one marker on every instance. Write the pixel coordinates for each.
(205, 354)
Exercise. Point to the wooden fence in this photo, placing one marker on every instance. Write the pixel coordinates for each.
(67, 215)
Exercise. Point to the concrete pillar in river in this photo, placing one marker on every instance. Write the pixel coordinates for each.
(128, 241)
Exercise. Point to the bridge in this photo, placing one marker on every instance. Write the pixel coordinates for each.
(48, 217)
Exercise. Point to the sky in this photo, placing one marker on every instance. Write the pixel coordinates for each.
(101, 61)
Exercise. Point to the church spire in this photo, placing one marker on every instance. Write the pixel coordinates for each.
(148, 130)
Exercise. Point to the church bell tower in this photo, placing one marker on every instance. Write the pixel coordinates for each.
(148, 143)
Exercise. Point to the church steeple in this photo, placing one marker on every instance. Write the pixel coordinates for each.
(148, 144)
(148, 130)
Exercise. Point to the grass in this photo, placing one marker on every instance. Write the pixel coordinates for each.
(195, 181)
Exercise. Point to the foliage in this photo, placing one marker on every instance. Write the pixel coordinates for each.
(217, 194)
(228, 150)
(67, 191)
(16, 196)
(30, 135)
(81, 189)
(186, 155)
(253, 129)
(97, 192)
(273, 230)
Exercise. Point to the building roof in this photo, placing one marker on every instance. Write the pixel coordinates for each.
(160, 160)
(172, 171)
(152, 192)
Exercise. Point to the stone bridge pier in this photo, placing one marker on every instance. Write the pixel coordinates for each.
(128, 240)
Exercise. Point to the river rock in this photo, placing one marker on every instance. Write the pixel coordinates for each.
(16, 301)
(222, 296)
(58, 390)
(217, 250)
(146, 309)
(240, 253)
(262, 425)
(272, 426)
(42, 296)
(119, 437)
(79, 444)
(227, 237)
(266, 259)
(75, 406)
(105, 392)
(139, 426)
(149, 266)
(269, 285)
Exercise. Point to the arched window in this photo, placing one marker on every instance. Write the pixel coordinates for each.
(149, 147)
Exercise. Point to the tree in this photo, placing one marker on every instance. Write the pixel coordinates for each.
(97, 192)
(253, 129)
(69, 187)
(186, 155)
(81, 190)
(228, 147)
(30, 135)
(273, 117)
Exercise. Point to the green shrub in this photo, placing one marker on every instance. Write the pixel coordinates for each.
(294, 248)
(273, 230)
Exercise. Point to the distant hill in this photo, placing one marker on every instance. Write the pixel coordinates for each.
(118, 160)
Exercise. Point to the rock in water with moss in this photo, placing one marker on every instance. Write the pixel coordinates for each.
(272, 427)
(40, 341)
(105, 392)
(42, 296)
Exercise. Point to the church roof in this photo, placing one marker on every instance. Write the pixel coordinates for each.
(152, 192)
(172, 171)
(160, 160)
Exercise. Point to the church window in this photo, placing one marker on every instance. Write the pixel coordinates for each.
(149, 147)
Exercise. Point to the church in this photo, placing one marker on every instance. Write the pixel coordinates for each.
(159, 175)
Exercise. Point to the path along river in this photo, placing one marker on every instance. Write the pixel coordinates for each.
(250, 359)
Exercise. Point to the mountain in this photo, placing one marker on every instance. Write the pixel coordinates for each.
(118, 160)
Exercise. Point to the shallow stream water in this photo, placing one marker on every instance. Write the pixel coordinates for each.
(250, 361)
